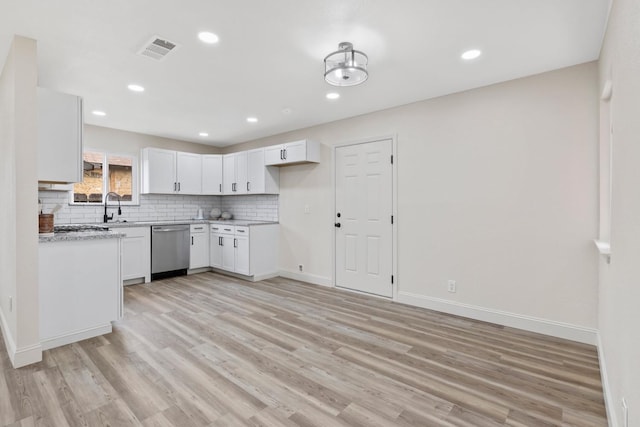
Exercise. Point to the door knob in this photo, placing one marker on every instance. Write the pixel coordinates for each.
(338, 215)
(338, 225)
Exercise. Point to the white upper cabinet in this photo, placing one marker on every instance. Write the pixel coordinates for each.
(60, 125)
(212, 174)
(158, 171)
(189, 173)
(296, 152)
(171, 172)
(261, 179)
(234, 170)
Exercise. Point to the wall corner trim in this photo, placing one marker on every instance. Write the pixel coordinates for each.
(533, 324)
(306, 277)
(19, 356)
(606, 389)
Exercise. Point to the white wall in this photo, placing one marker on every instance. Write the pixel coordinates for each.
(497, 190)
(619, 316)
(18, 210)
(121, 141)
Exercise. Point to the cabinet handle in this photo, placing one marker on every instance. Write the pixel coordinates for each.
(281, 155)
(220, 241)
(191, 240)
(178, 186)
(221, 188)
(235, 243)
(175, 186)
(197, 228)
(285, 153)
(240, 231)
(248, 186)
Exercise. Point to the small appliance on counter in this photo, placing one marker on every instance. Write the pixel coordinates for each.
(199, 214)
(226, 215)
(215, 213)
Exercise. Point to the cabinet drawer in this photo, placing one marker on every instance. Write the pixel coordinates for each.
(198, 228)
(242, 230)
(223, 229)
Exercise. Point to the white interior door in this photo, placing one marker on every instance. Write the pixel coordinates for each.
(364, 205)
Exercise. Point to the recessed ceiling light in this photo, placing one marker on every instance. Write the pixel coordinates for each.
(333, 95)
(207, 37)
(471, 54)
(135, 88)
(98, 113)
(252, 119)
(203, 134)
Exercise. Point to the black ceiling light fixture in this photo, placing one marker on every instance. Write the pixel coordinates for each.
(346, 66)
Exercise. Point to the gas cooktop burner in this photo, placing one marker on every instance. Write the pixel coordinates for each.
(75, 228)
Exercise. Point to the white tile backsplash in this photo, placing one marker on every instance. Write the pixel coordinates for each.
(155, 207)
(262, 207)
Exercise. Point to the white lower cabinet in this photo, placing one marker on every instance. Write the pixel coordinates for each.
(249, 251)
(241, 249)
(136, 253)
(80, 289)
(199, 249)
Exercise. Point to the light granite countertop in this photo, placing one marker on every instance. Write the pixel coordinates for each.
(243, 222)
(79, 235)
(112, 233)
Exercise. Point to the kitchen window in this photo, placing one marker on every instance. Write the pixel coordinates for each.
(103, 173)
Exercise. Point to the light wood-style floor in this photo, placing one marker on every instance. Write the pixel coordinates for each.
(208, 350)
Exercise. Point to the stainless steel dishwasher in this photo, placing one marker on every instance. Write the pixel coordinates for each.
(169, 250)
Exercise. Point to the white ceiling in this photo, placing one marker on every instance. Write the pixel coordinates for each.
(270, 54)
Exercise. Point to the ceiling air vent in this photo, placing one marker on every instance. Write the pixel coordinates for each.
(157, 48)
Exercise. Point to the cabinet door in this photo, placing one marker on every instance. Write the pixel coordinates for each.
(295, 152)
(199, 253)
(212, 174)
(242, 255)
(273, 155)
(228, 253)
(135, 257)
(59, 137)
(255, 171)
(159, 171)
(215, 250)
(241, 172)
(228, 173)
(189, 168)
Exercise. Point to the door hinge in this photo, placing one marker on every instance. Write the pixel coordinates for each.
(392, 279)
(392, 159)
(391, 219)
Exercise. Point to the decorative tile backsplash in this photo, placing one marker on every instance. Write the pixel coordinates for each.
(157, 207)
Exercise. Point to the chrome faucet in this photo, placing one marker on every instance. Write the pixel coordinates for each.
(106, 217)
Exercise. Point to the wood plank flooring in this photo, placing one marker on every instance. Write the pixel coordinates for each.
(209, 350)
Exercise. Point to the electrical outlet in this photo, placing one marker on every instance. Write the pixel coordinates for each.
(300, 267)
(451, 286)
(625, 413)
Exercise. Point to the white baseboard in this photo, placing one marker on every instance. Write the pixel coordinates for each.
(76, 336)
(606, 389)
(519, 321)
(306, 277)
(265, 276)
(198, 270)
(27, 355)
(19, 356)
(9, 343)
